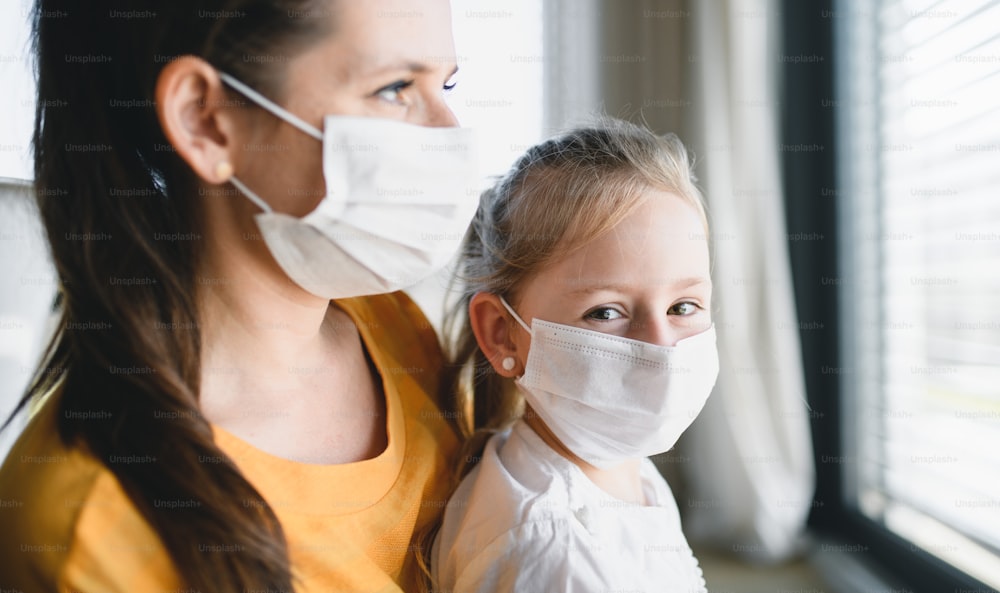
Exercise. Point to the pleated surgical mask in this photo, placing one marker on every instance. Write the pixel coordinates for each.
(399, 198)
(609, 399)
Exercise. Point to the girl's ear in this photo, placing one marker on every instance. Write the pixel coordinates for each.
(192, 106)
(491, 325)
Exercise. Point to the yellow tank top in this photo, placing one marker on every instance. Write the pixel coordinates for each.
(67, 525)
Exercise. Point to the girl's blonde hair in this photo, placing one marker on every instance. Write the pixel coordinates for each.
(559, 196)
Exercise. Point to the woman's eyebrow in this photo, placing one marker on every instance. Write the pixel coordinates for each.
(376, 67)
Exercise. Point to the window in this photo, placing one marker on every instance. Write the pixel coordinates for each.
(17, 101)
(500, 80)
(24, 303)
(499, 46)
(918, 119)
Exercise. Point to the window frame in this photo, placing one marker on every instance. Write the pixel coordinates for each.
(809, 114)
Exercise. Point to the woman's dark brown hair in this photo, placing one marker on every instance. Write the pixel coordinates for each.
(121, 211)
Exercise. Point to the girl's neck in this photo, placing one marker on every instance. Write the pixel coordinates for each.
(623, 481)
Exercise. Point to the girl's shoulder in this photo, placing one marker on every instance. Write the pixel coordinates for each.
(517, 524)
(518, 480)
(513, 493)
(524, 506)
(68, 524)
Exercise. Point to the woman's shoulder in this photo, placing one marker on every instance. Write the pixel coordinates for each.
(394, 313)
(394, 325)
(44, 484)
(66, 521)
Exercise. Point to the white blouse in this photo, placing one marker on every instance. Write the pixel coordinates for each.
(526, 519)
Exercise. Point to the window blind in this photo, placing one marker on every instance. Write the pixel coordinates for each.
(919, 128)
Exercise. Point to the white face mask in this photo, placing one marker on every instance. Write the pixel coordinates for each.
(609, 399)
(399, 198)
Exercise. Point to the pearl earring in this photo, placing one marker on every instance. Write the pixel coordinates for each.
(507, 363)
(223, 170)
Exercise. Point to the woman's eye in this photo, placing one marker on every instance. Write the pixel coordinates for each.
(451, 84)
(683, 309)
(393, 93)
(604, 314)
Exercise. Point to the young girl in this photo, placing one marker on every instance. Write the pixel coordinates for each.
(589, 326)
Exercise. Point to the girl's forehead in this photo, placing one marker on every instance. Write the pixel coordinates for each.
(662, 224)
(660, 265)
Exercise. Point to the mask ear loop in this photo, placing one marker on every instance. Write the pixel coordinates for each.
(279, 112)
(249, 193)
(517, 317)
(510, 366)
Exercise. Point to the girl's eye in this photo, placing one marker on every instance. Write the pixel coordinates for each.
(393, 93)
(604, 314)
(451, 84)
(683, 309)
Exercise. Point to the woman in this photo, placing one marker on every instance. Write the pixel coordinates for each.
(211, 420)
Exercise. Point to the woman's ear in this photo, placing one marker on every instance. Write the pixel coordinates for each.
(191, 104)
(492, 327)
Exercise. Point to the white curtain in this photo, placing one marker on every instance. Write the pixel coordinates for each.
(752, 446)
(707, 70)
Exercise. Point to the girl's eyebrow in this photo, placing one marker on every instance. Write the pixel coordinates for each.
(600, 287)
(680, 283)
(689, 282)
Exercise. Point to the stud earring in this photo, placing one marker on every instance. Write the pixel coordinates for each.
(507, 363)
(223, 171)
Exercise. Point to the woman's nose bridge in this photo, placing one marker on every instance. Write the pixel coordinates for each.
(438, 114)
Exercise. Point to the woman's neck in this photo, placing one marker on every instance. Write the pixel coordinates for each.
(281, 368)
(253, 316)
(623, 481)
